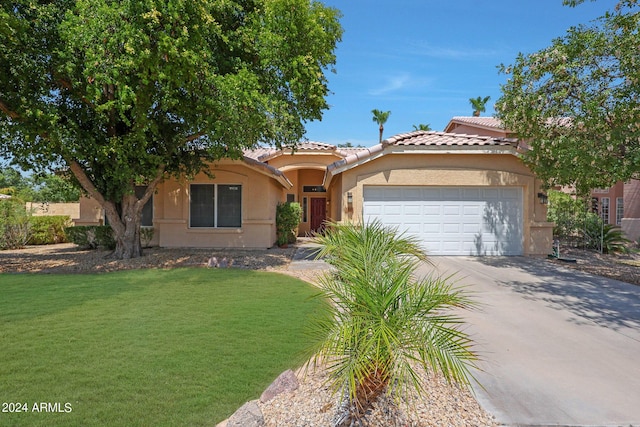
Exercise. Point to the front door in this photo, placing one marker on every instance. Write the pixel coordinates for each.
(318, 213)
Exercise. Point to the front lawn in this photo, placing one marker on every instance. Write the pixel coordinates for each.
(145, 347)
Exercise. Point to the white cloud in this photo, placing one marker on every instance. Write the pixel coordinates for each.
(399, 82)
(428, 50)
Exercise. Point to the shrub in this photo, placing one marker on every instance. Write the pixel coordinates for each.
(14, 224)
(287, 221)
(606, 237)
(146, 235)
(380, 319)
(567, 213)
(91, 236)
(47, 230)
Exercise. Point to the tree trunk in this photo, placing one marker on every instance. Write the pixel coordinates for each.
(126, 227)
(126, 224)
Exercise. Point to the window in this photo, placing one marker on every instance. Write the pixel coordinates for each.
(147, 209)
(619, 210)
(215, 205)
(604, 209)
(314, 189)
(304, 209)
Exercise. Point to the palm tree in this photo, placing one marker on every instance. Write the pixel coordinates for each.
(422, 126)
(380, 117)
(479, 104)
(379, 319)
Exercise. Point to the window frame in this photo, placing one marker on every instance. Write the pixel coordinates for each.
(216, 207)
(140, 190)
(619, 210)
(605, 209)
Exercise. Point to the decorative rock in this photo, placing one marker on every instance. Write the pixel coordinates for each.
(249, 415)
(286, 382)
(223, 263)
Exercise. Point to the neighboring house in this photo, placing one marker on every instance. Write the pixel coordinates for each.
(459, 194)
(619, 204)
(72, 210)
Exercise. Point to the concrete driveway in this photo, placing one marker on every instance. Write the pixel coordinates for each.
(559, 347)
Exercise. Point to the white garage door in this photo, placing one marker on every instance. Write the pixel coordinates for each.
(452, 220)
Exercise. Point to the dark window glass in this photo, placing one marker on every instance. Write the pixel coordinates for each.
(229, 205)
(304, 209)
(202, 205)
(147, 209)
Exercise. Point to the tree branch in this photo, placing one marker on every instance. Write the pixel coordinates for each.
(194, 136)
(85, 182)
(152, 186)
(67, 85)
(9, 112)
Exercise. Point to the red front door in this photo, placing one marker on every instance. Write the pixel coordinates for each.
(318, 213)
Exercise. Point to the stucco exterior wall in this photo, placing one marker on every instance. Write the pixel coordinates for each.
(301, 160)
(453, 170)
(91, 212)
(260, 195)
(72, 210)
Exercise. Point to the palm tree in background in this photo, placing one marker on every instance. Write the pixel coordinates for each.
(380, 319)
(422, 126)
(380, 117)
(479, 105)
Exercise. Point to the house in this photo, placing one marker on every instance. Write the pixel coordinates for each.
(459, 194)
(619, 204)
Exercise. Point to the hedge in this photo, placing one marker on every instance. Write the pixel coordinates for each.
(91, 236)
(47, 230)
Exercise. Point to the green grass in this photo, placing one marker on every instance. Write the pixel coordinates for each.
(148, 347)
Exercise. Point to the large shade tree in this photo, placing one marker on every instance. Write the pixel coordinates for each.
(127, 92)
(577, 102)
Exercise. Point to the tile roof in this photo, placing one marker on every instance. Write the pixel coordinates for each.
(259, 152)
(431, 140)
(265, 153)
(490, 122)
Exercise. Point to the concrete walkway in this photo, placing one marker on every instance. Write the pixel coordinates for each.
(559, 347)
(305, 257)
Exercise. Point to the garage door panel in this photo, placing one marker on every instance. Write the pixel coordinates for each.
(451, 228)
(452, 220)
(411, 209)
(409, 194)
(392, 209)
(510, 193)
(431, 193)
(432, 230)
(413, 228)
(449, 209)
(429, 209)
(471, 194)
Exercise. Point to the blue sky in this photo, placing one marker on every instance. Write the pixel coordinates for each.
(423, 59)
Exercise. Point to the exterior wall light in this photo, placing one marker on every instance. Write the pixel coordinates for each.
(350, 199)
(543, 198)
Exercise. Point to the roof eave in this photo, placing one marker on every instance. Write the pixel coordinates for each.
(269, 171)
